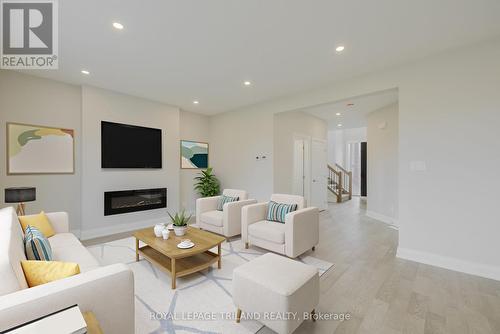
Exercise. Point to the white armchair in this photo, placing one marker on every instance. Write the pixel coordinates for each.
(298, 234)
(226, 222)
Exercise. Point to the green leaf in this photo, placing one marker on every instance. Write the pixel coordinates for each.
(206, 183)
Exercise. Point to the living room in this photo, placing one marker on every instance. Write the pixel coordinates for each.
(239, 93)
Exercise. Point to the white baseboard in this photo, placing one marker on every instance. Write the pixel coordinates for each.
(467, 267)
(119, 228)
(382, 218)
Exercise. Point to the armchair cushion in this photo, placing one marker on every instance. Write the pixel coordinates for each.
(242, 194)
(225, 199)
(215, 218)
(289, 199)
(268, 230)
(277, 211)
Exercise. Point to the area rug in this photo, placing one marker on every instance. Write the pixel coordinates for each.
(202, 302)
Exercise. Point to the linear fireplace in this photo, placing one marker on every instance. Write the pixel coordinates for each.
(116, 202)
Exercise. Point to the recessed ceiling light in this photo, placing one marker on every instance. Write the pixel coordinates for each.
(118, 25)
(196, 102)
(339, 125)
(340, 48)
(85, 72)
(338, 114)
(247, 83)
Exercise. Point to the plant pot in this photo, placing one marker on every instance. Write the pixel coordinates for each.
(180, 230)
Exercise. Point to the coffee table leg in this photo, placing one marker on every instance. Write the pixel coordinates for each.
(219, 252)
(173, 274)
(136, 249)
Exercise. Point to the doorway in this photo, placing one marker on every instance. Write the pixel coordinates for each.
(319, 174)
(310, 170)
(356, 162)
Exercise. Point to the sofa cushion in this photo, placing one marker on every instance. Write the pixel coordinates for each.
(67, 248)
(11, 253)
(40, 221)
(268, 230)
(215, 218)
(36, 245)
(41, 272)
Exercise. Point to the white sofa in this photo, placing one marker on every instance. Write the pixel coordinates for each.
(226, 222)
(298, 234)
(106, 291)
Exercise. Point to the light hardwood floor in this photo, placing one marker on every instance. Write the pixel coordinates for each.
(386, 295)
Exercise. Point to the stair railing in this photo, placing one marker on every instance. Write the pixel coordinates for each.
(339, 181)
(335, 182)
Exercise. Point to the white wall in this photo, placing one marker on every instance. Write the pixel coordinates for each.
(448, 118)
(99, 105)
(236, 139)
(192, 127)
(286, 125)
(337, 144)
(31, 100)
(382, 164)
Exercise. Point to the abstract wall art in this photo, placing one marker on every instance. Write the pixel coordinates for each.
(33, 149)
(194, 155)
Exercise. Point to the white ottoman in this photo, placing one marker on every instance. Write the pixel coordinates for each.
(272, 285)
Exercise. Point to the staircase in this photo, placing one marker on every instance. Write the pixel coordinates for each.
(340, 182)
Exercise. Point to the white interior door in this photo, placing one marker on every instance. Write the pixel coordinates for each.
(301, 166)
(298, 167)
(319, 174)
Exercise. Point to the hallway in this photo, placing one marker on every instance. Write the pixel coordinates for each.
(387, 295)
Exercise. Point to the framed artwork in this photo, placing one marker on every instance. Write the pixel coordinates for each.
(34, 149)
(194, 155)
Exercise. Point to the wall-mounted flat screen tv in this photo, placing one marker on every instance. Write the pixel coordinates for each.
(130, 146)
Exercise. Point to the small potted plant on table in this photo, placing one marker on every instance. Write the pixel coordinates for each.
(180, 223)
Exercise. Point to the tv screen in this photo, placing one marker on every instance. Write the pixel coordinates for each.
(130, 146)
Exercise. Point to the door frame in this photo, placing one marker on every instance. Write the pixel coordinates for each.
(306, 165)
(325, 142)
(348, 159)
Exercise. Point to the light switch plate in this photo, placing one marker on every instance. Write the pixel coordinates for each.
(418, 166)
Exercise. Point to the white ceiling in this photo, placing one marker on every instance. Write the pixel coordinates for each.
(353, 116)
(185, 50)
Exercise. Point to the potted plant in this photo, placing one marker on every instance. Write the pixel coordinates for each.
(207, 184)
(179, 222)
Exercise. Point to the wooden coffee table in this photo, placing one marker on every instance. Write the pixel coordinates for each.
(175, 261)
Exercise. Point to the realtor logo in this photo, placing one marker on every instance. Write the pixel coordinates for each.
(29, 34)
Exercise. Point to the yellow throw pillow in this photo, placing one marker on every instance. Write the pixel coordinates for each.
(41, 272)
(40, 221)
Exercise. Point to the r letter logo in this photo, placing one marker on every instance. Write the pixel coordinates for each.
(29, 34)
